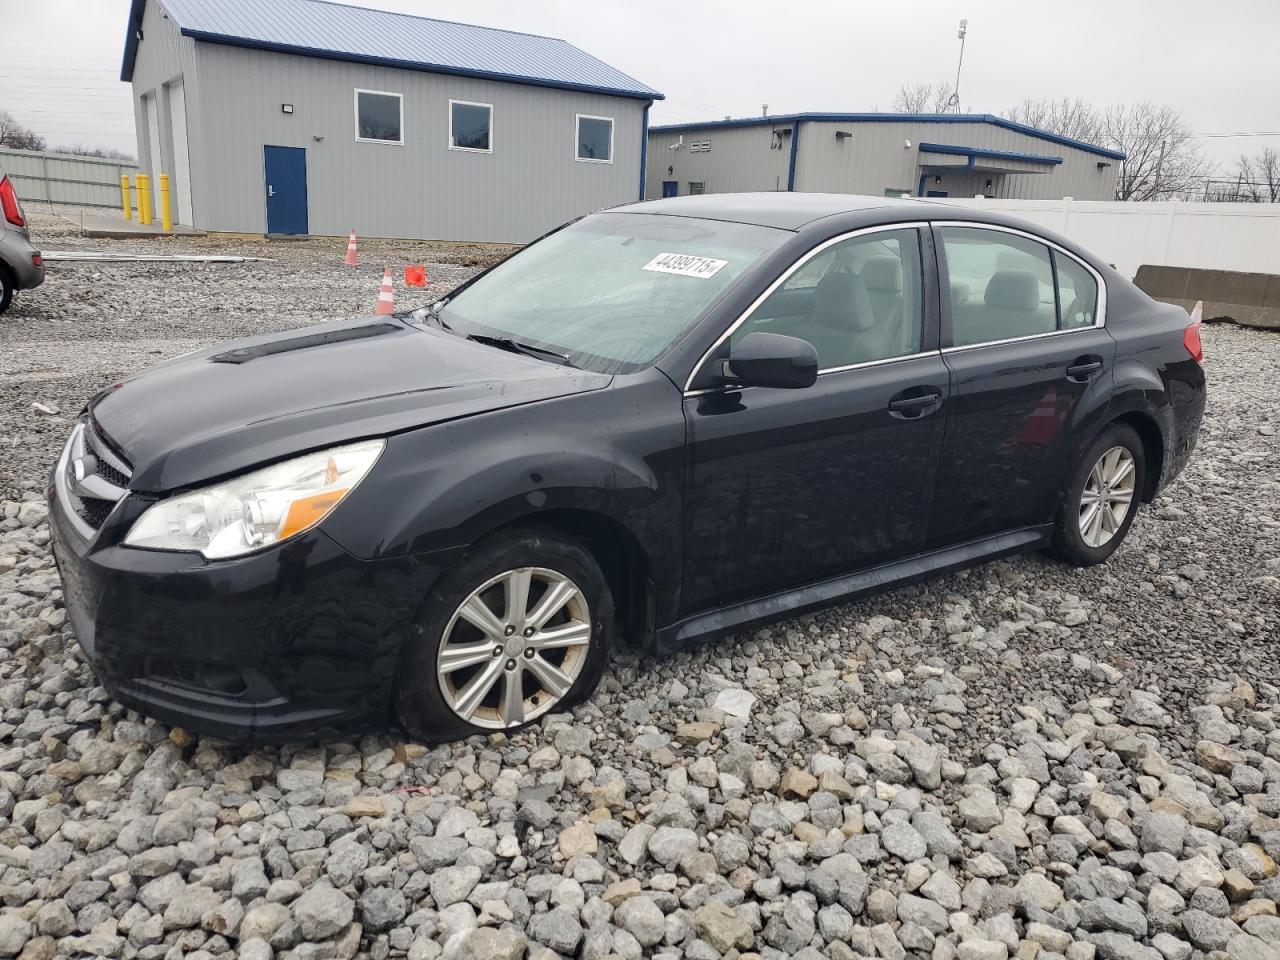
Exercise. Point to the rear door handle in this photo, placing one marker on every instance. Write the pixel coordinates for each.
(271, 191)
(912, 403)
(1083, 368)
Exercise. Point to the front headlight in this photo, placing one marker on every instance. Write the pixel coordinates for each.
(258, 509)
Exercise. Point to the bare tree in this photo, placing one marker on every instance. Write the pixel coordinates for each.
(17, 137)
(923, 98)
(1163, 160)
(1068, 117)
(105, 153)
(1258, 177)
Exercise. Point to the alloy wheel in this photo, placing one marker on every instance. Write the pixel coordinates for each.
(514, 647)
(1107, 496)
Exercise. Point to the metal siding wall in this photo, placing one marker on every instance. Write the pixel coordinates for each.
(528, 185)
(165, 55)
(739, 160)
(874, 159)
(63, 178)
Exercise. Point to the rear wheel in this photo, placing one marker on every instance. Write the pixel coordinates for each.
(1101, 502)
(520, 627)
(6, 289)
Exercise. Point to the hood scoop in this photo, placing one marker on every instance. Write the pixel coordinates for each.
(288, 345)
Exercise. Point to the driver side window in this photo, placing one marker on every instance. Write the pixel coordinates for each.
(857, 301)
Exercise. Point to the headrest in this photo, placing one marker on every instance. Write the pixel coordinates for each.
(1014, 290)
(840, 301)
(883, 274)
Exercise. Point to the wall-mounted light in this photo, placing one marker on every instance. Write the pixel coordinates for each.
(286, 108)
(670, 170)
(1103, 164)
(906, 144)
(937, 179)
(843, 134)
(318, 139)
(988, 185)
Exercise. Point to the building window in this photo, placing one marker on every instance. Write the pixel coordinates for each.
(471, 126)
(595, 139)
(697, 187)
(379, 117)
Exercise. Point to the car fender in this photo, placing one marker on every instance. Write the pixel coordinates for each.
(437, 490)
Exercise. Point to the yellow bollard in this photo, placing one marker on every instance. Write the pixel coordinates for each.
(166, 215)
(144, 199)
(125, 199)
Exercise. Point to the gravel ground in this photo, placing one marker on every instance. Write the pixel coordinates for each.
(1021, 760)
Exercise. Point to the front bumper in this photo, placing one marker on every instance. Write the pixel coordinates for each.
(297, 641)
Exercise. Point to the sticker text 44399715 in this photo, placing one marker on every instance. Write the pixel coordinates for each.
(685, 265)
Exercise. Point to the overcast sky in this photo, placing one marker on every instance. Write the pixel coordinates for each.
(1216, 62)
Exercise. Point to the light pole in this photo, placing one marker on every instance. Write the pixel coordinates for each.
(955, 94)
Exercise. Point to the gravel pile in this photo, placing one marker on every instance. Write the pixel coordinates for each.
(1024, 760)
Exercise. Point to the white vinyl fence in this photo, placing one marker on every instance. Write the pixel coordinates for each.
(1210, 236)
(40, 177)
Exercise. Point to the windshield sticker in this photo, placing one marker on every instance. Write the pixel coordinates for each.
(685, 265)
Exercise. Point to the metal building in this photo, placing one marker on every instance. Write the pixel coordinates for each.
(304, 116)
(889, 154)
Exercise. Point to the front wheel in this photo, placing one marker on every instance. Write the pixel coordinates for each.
(519, 627)
(1101, 501)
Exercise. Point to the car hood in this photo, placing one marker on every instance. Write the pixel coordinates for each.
(252, 401)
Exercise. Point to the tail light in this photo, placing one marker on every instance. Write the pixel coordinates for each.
(9, 204)
(1191, 341)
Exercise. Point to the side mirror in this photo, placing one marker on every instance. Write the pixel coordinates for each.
(772, 360)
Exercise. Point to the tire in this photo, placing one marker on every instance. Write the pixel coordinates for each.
(6, 289)
(436, 697)
(1085, 538)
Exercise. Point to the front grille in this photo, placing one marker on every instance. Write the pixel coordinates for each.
(113, 476)
(91, 478)
(94, 512)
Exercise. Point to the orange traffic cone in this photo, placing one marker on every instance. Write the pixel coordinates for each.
(386, 300)
(350, 259)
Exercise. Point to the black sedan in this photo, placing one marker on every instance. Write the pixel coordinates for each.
(664, 422)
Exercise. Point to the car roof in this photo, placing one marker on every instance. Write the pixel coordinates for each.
(781, 209)
(785, 210)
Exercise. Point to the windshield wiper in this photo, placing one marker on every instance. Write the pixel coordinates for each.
(516, 346)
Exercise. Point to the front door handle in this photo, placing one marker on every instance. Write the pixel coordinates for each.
(1083, 368)
(271, 191)
(915, 402)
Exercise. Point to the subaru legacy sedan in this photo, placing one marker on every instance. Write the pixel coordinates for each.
(660, 423)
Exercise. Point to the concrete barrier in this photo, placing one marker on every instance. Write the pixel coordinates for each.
(1251, 299)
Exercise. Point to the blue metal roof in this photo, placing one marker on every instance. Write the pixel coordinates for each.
(971, 152)
(318, 28)
(896, 118)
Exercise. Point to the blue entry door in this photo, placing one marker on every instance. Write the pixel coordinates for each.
(286, 188)
(669, 188)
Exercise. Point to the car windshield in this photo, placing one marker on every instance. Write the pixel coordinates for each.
(612, 291)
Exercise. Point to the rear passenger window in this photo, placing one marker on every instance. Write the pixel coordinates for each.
(1001, 286)
(857, 301)
(1077, 293)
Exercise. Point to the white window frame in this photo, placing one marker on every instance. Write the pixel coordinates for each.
(470, 103)
(577, 137)
(355, 104)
